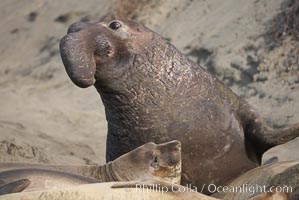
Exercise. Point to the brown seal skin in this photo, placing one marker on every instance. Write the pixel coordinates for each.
(278, 179)
(272, 196)
(150, 161)
(153, 92)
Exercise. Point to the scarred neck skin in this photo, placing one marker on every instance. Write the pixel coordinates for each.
(134, 94)
(159, 78)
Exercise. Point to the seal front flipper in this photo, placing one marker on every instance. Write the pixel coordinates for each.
(15, 186)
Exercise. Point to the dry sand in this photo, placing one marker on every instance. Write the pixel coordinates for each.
(45, 118)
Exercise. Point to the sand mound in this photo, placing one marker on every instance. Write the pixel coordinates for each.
(10, 151)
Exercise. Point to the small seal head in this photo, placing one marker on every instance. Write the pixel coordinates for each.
(166, 162)
(163, 162)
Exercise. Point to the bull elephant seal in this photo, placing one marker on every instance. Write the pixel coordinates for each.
(149, 161)
(153, 92)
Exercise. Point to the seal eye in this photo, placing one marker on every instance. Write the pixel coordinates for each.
(115, 25)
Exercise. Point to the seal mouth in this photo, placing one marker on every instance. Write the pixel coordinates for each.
(84, 82)
(170, 174)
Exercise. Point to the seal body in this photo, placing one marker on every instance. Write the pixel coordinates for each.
(127, 190)
(152, 92)
(278, 179)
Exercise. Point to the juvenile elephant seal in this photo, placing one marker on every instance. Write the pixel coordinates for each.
(149, 161)
(123, 191)
(105, 191)
(152, 92)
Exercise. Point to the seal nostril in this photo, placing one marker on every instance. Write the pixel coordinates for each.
(75, 27)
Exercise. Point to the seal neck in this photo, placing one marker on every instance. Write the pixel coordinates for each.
(115, 171)
(107, 173)
(154, 80)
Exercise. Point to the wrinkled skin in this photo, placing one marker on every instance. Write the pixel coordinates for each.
(152, 92)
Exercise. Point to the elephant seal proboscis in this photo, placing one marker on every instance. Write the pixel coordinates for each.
(153, 92)
(277, 179)
(149, 161)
